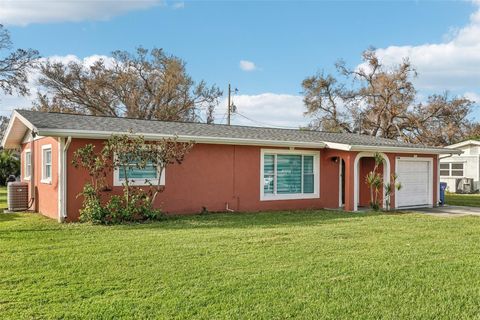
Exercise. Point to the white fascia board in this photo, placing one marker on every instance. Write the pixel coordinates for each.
(338, 146)
(15, 115)
(463, 143)
(348, 147)
(184, 138)
(405, 150)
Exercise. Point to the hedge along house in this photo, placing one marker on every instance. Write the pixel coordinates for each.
(230, 168)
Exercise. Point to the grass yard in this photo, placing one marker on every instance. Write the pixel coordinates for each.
(318, 264)
(472, 200)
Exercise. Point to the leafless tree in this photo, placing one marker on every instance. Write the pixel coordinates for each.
(14, 65)
(381, 100)
(147, 84)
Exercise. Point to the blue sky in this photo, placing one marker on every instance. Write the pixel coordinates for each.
(282, 42)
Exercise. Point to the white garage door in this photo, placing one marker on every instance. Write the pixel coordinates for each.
(415, 177)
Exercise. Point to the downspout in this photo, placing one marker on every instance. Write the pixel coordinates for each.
(32, 170)
(63, 180)
(440, 158)
(227, 208)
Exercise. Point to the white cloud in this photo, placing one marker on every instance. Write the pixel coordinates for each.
(24, 12)
(266, 109)
(450, 65)
(178, 5)
(472, 96)
(246, 65)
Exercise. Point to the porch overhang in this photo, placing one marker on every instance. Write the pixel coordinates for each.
(392, 149)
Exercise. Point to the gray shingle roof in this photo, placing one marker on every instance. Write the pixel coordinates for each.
(59, 121)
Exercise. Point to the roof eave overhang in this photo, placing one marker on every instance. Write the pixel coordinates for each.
(183, 138)
(8, 140)
(425, 150)
(463, 144)
(360, 148)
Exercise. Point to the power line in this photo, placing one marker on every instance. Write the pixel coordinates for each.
(264, 123)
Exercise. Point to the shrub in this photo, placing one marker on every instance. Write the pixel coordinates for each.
(92, 210)
(134, 204)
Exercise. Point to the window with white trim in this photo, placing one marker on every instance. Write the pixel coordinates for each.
(46, 164)
(288, 174)
(28, 165)
(138, 176)
(451, 169)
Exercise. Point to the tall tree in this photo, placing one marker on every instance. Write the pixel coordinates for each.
(14, 65)
(381, 101)
(147, 84)
(3, 125)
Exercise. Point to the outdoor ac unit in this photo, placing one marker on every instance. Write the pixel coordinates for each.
(464, 185)
(17, 196)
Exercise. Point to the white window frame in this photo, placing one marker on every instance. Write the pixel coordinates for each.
(117, 182)
(294, 196)
(450, 169)
(27, 155)
(47, 180)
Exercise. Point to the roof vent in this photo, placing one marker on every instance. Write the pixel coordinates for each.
(17, 196)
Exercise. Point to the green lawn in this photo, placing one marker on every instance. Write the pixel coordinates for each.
(316, 264)
(472, 200)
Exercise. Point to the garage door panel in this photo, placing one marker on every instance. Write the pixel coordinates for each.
(415, 177)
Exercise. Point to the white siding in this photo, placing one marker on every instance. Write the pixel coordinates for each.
(471, 167)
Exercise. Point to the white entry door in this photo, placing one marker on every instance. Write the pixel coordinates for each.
(415, 175)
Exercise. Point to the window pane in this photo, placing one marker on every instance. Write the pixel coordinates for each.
(48, 171)
(268, 165)
(48, 156)
(148, 172)
(444, 166)
(457, 166)
(457, 173)
(445, 173)
(289, 174)
(28, 160)
(307, 164)
(308, 179)
(268, 173)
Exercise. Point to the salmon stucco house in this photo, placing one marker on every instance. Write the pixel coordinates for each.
(229, 168)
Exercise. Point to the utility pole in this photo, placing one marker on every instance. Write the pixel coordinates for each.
(229, 105)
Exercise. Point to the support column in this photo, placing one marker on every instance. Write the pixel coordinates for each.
(349, 181)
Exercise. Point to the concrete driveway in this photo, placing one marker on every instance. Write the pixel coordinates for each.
(451, 211)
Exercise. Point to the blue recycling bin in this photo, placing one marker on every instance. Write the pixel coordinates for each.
(443, 187)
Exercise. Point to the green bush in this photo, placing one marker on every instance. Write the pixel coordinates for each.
(92, 210)
(117, 209)
(9, 165)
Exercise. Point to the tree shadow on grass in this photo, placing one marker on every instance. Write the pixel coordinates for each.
(235, 220)
(269, 219)
(6, 217)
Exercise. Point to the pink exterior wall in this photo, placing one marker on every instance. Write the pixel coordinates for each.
(46, 194)
(212, 176)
